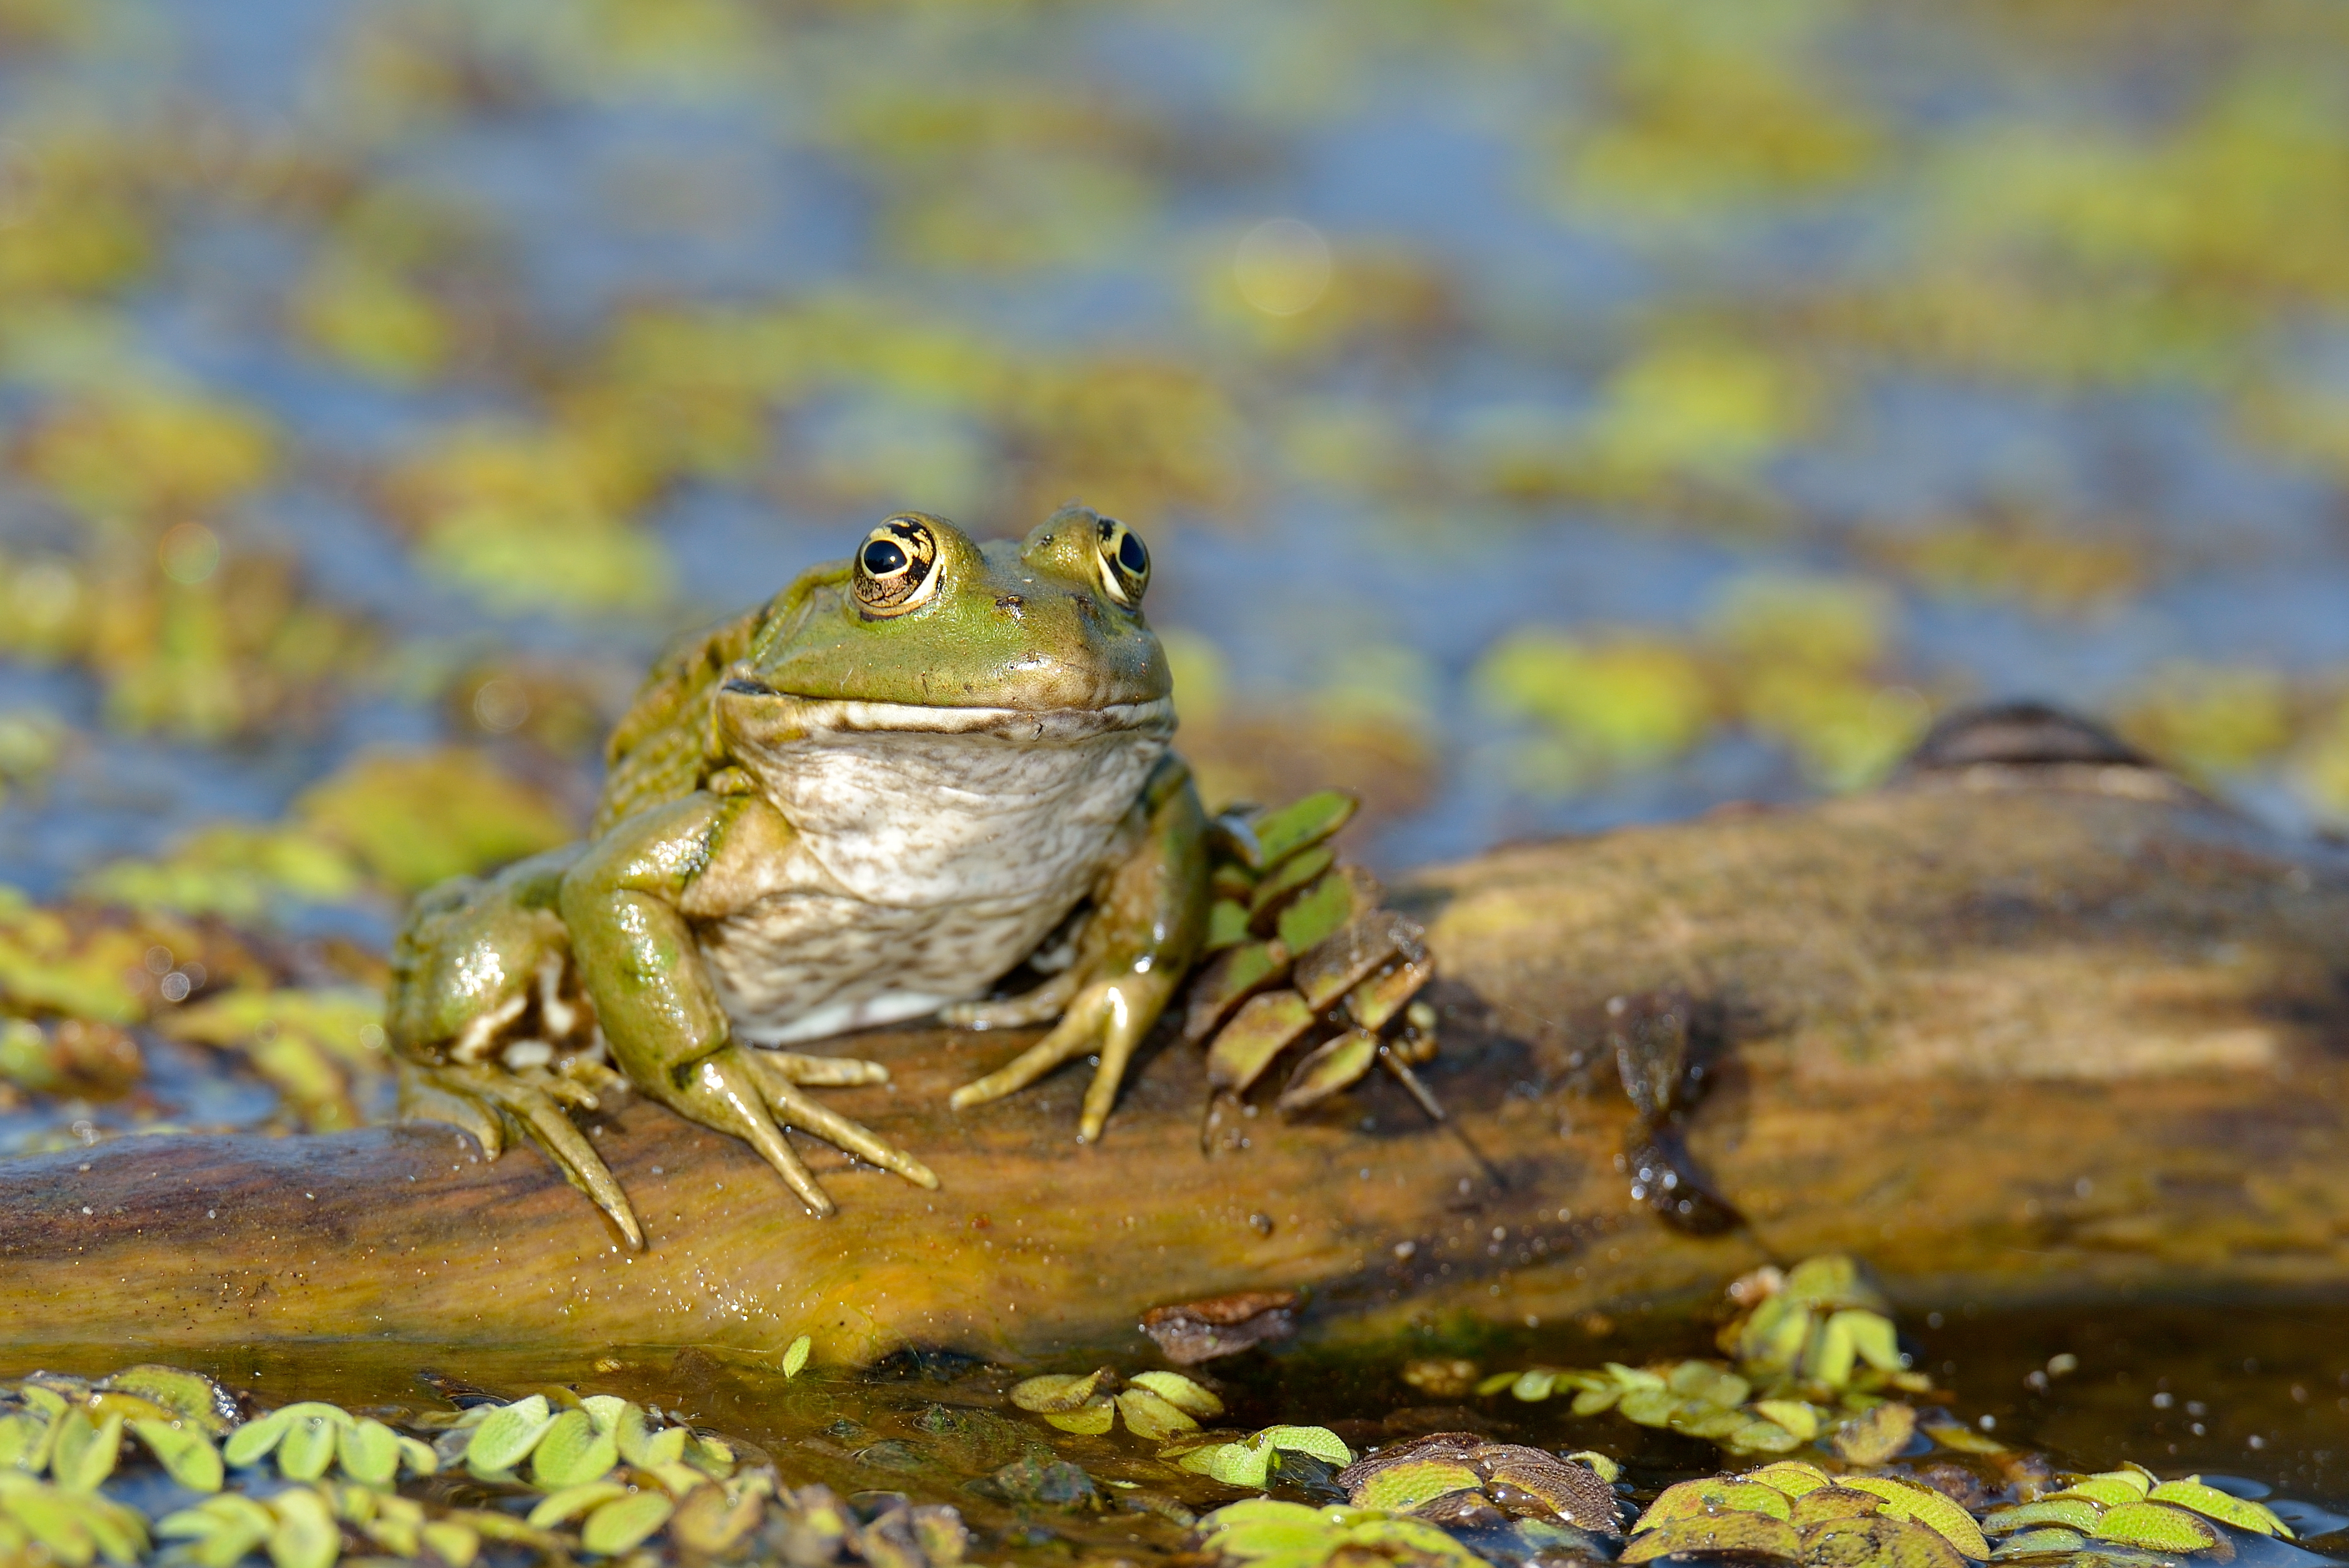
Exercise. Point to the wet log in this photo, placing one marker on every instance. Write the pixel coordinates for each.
(2009, 1033)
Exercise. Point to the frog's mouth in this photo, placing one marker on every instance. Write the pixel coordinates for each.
(762, 718)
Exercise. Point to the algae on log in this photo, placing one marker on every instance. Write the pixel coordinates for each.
(2005, 1035)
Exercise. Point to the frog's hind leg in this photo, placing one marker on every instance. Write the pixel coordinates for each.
(485, 1101)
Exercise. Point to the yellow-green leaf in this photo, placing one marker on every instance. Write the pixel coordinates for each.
(2157, 1526)
(1700, 1499)
(186, 1455)
(370, 1453)
(2071, 1512)
(455, 1545)
(306, 1535)
(1057, 1391)
(796, 1355)
(572, 1452)
(1878, 1435)
(1089, 1419)
(1401, 1488)
(1755, 1535)
(1319, 1441)
(2044, 1541)
(506, 1438)
(562, 1507)
(1179, 1391)
(2212, 1503)
(1928, 1508)
(1234, 1464)
(640, 1445)
(625, 1522)
(307, 1447)
(190, 1396)
(1790, 1476)
(1797, 1416)
(85, 1453)
(1152, 1417)
(1533, 1385)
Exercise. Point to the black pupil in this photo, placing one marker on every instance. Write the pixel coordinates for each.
(1133, 555)
(882, 557)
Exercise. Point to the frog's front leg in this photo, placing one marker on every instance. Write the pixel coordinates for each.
(628, 903)
(1149, 915)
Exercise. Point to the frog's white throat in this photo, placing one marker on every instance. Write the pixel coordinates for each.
(909, 805)
(933, 849)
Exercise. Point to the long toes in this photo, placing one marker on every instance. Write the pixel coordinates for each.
(797, 1110)
(725, 1091)
(1044, 1003)
(423, 1099)
(1074, 1036)
(552, 1128)
(1100, 1095)
(820, 1072)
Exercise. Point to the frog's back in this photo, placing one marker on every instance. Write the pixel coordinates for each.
(663, 746)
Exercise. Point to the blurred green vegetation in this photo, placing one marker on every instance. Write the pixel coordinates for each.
(1605, 388)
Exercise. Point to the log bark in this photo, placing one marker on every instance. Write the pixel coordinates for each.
(2008, 1034)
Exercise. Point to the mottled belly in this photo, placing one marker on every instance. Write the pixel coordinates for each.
(800, 965)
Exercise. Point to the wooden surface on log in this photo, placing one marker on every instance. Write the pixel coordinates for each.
(2005, 1044)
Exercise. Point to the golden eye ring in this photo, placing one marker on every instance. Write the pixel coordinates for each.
(897, 567)
(1124, 562)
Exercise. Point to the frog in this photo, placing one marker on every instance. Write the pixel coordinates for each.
(910, 781)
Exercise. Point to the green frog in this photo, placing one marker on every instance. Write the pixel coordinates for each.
(908, 775)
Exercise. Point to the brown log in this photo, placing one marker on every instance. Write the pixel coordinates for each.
(2007, 1036)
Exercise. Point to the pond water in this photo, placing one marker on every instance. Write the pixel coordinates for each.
(1545, 417)
(2255, 1400)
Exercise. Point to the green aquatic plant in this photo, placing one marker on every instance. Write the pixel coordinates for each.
(1816, 1361)
(310, 1483)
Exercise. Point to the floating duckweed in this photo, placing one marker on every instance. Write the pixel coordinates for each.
(2212, 1503)
(1278, 1534)
(1250, 1461)
(625, 1522)
(1928, 1508)
(1735, 1532)
(1179, 1391)
(186, 1455)
(2073, 1514)
(506, 1437)
(2108, 1490)
(795, 1357)
(84, 1452)
(1089, 1419)
(574, 1451)
(1404, 1487)
(2157, 1526)
(1057, 1391)
(1152, 1418)
(1877, 1434)
(2044, 1540)
(1700, 1499)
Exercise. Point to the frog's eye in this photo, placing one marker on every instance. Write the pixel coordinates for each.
(1124, 562)
(897, 567)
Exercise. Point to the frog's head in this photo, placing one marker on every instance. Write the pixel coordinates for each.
(923, 616)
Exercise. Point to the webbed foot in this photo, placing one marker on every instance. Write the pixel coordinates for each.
(485, 1099)
(1109, 1017)
(748, 1092)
